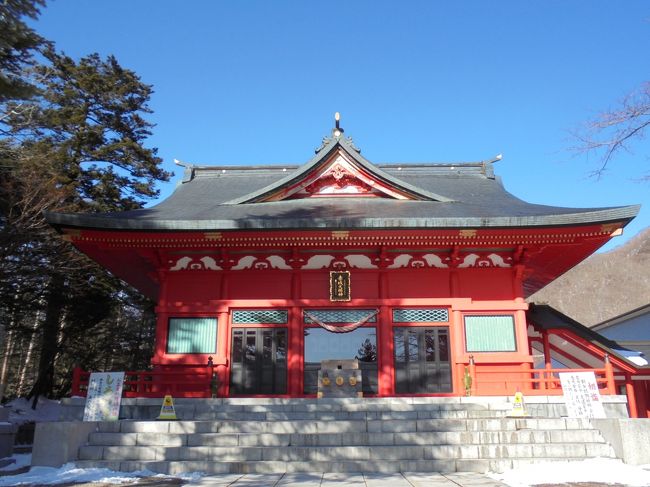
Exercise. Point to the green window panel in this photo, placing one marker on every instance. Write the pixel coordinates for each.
(490, 333)
(420, 315)
(279, 316)
(192, 335)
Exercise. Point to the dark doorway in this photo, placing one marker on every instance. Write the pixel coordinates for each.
(360, 344)
(258, 361)
(422, 360)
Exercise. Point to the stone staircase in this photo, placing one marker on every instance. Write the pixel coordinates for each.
(339, 435)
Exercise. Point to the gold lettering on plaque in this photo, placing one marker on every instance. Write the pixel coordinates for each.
(340, 286)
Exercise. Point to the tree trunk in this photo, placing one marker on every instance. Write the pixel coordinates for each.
(25, 361)
(44, 383)
(8, 351)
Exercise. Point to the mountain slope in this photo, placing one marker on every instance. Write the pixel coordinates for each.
(605, 285)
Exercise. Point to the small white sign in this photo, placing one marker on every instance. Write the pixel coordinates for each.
(581, 395)
(104, 396)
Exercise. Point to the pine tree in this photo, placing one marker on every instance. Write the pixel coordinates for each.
(17, 45)
(78, 145)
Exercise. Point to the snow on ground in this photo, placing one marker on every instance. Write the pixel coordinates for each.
(603, 470)
(20, 460)
(22, 412)
(595, 470)
(68, 473)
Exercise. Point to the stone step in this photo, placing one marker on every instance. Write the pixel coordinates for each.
(344, 453)
(343, 439)
(212, 468)
(205, 415)
(377, 466)
(343, 426)
(244, 408)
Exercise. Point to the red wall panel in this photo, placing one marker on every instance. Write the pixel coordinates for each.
(418, 283)
(193, 287)
(259, 285)
(486, 284)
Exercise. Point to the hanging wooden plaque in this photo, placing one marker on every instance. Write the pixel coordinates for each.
(340, 286)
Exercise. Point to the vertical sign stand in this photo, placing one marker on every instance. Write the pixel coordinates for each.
(104, 396)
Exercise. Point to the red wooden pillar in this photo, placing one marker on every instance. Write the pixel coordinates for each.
(295, 353)
(222, 361)
(162, 317)
(609, 375)
(385, 379)
(631, 397)
(458, 356)
(296, 338)
(642, 393)
(386, 383)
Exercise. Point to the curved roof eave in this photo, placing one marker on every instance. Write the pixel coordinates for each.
(90, 221)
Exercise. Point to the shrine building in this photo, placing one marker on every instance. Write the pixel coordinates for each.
(418, 271)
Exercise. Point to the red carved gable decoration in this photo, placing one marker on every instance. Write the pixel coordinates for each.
(340, 176)
(338, 180)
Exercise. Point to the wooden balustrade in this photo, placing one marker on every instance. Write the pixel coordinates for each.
(537, 382)
(200, 383)
(154, 383)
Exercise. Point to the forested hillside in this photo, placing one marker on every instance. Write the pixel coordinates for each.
(605, 285)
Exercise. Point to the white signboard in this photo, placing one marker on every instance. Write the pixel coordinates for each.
(581, 395)
(104, 396)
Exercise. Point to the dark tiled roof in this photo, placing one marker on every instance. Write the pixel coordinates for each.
(547, 318)
(449, 196)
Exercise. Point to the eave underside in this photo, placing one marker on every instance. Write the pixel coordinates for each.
(540, 254)
(352, 214)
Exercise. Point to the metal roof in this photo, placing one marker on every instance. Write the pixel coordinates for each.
(463, 195)
(547, 318)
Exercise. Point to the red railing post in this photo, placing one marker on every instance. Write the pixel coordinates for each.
(609, 375)
(550, 378)
(212, 380)
(76, 381)
(631, 397)
(472, 375)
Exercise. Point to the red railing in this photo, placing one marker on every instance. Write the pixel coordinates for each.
(534, 381)
(154, 383)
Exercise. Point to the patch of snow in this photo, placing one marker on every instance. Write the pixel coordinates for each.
(69, 473)
(638, 360)
(20, 460)
(604, 470)
(22, 412)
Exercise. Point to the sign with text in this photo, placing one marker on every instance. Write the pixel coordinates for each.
(581, 395)
(104, 396)
(340, 286)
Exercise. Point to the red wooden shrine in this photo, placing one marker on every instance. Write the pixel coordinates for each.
(420, 272)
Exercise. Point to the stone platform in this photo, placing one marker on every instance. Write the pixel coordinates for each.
(372, 435)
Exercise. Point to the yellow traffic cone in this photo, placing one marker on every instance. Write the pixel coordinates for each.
(518, 407)
(167, 410)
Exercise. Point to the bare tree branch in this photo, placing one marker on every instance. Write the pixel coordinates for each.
(615, 130)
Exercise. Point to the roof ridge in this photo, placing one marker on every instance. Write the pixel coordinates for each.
(389, 165)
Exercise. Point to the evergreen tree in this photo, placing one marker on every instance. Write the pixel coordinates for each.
(17, 45)
(367, 352)
(78, 145)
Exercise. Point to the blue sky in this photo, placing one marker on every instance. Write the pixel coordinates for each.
(258, 82)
